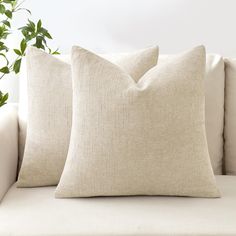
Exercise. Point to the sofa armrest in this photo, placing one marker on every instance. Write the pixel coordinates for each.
(8, 147)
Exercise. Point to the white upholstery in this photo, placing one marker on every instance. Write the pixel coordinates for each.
(35, 212)
(8, 147)
(230, 116)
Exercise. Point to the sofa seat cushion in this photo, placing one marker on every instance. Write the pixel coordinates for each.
(35, 211)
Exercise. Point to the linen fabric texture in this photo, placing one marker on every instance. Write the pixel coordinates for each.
(144, 137)
(50, 111)
(214, 99)
(214, 107)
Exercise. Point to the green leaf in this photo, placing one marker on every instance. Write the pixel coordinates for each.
(39, 25)
(5, 70)
(56, 52)
(4, 35)
(9, 1)
(2, 9)
(48, 35)
(7, 23)
(24, 9)
(3, 47)
(8, 13)
(3, 98)
(3, 32)
(29, 28)
(17, 65)
(4, 56)
(14, 3)
(18, 52)
(26, 28)
(39, 42)
(24, 32)
(45, 33)
(31, 24)
(23, 46)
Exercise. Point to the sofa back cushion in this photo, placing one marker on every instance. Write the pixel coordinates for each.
(230, 116)
(214, 92)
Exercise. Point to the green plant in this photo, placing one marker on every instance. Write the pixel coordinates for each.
(33, 34)
(3, 98)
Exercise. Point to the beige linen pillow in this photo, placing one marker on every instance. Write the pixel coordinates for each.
(144, 137)
(50, 111)
(214, 99)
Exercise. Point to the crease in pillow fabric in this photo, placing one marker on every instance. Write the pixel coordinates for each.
(50, 110)
(144, 137)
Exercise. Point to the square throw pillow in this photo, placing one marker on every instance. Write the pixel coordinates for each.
(50, 110)
(144, 137)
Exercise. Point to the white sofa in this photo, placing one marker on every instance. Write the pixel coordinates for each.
(35, 211)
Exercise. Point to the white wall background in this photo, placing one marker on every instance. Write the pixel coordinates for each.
(121, 25)
(114, 25)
